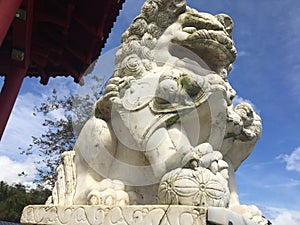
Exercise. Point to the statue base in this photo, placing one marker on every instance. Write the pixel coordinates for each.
(130, 215)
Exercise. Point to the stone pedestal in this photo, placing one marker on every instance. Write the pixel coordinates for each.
(130, 215)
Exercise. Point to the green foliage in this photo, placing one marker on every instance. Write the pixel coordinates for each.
(14, 198)
(60, 134)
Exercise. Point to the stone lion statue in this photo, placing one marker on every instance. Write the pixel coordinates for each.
(165, 130)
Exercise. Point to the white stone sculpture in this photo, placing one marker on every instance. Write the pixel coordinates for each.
(165, 131)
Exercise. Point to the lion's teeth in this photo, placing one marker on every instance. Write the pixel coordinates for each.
(202, 34)
(189, 30)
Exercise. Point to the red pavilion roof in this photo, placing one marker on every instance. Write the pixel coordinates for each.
(49, 38)
(66, 36)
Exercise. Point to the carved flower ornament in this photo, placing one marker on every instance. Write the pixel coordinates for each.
(193, 187)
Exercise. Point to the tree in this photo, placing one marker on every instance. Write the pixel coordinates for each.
(14, 198)
(60, 134)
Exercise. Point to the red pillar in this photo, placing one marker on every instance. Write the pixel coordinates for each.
(21, 29)
(9, 93)
(8, 9)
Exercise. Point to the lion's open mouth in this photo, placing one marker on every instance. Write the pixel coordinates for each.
(207, 38)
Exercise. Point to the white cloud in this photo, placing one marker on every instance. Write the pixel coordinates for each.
(279, 216)
(22, 125)
(57, 114)
(242, 53)
(287, 217)
(289, 183)
(292, 161)
(62, 85)
(10, 170)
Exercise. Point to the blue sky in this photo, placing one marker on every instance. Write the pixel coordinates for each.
(265, 73)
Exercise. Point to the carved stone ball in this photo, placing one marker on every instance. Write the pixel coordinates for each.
(198, 187)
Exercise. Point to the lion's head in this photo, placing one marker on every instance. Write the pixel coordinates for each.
(209, 37)
(162, 23)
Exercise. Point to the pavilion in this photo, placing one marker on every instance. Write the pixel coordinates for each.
(48, 39)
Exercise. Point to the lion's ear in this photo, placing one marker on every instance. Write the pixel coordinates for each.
(226, 22)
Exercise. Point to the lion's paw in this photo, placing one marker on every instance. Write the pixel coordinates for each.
(109, 193)
(251, 212)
